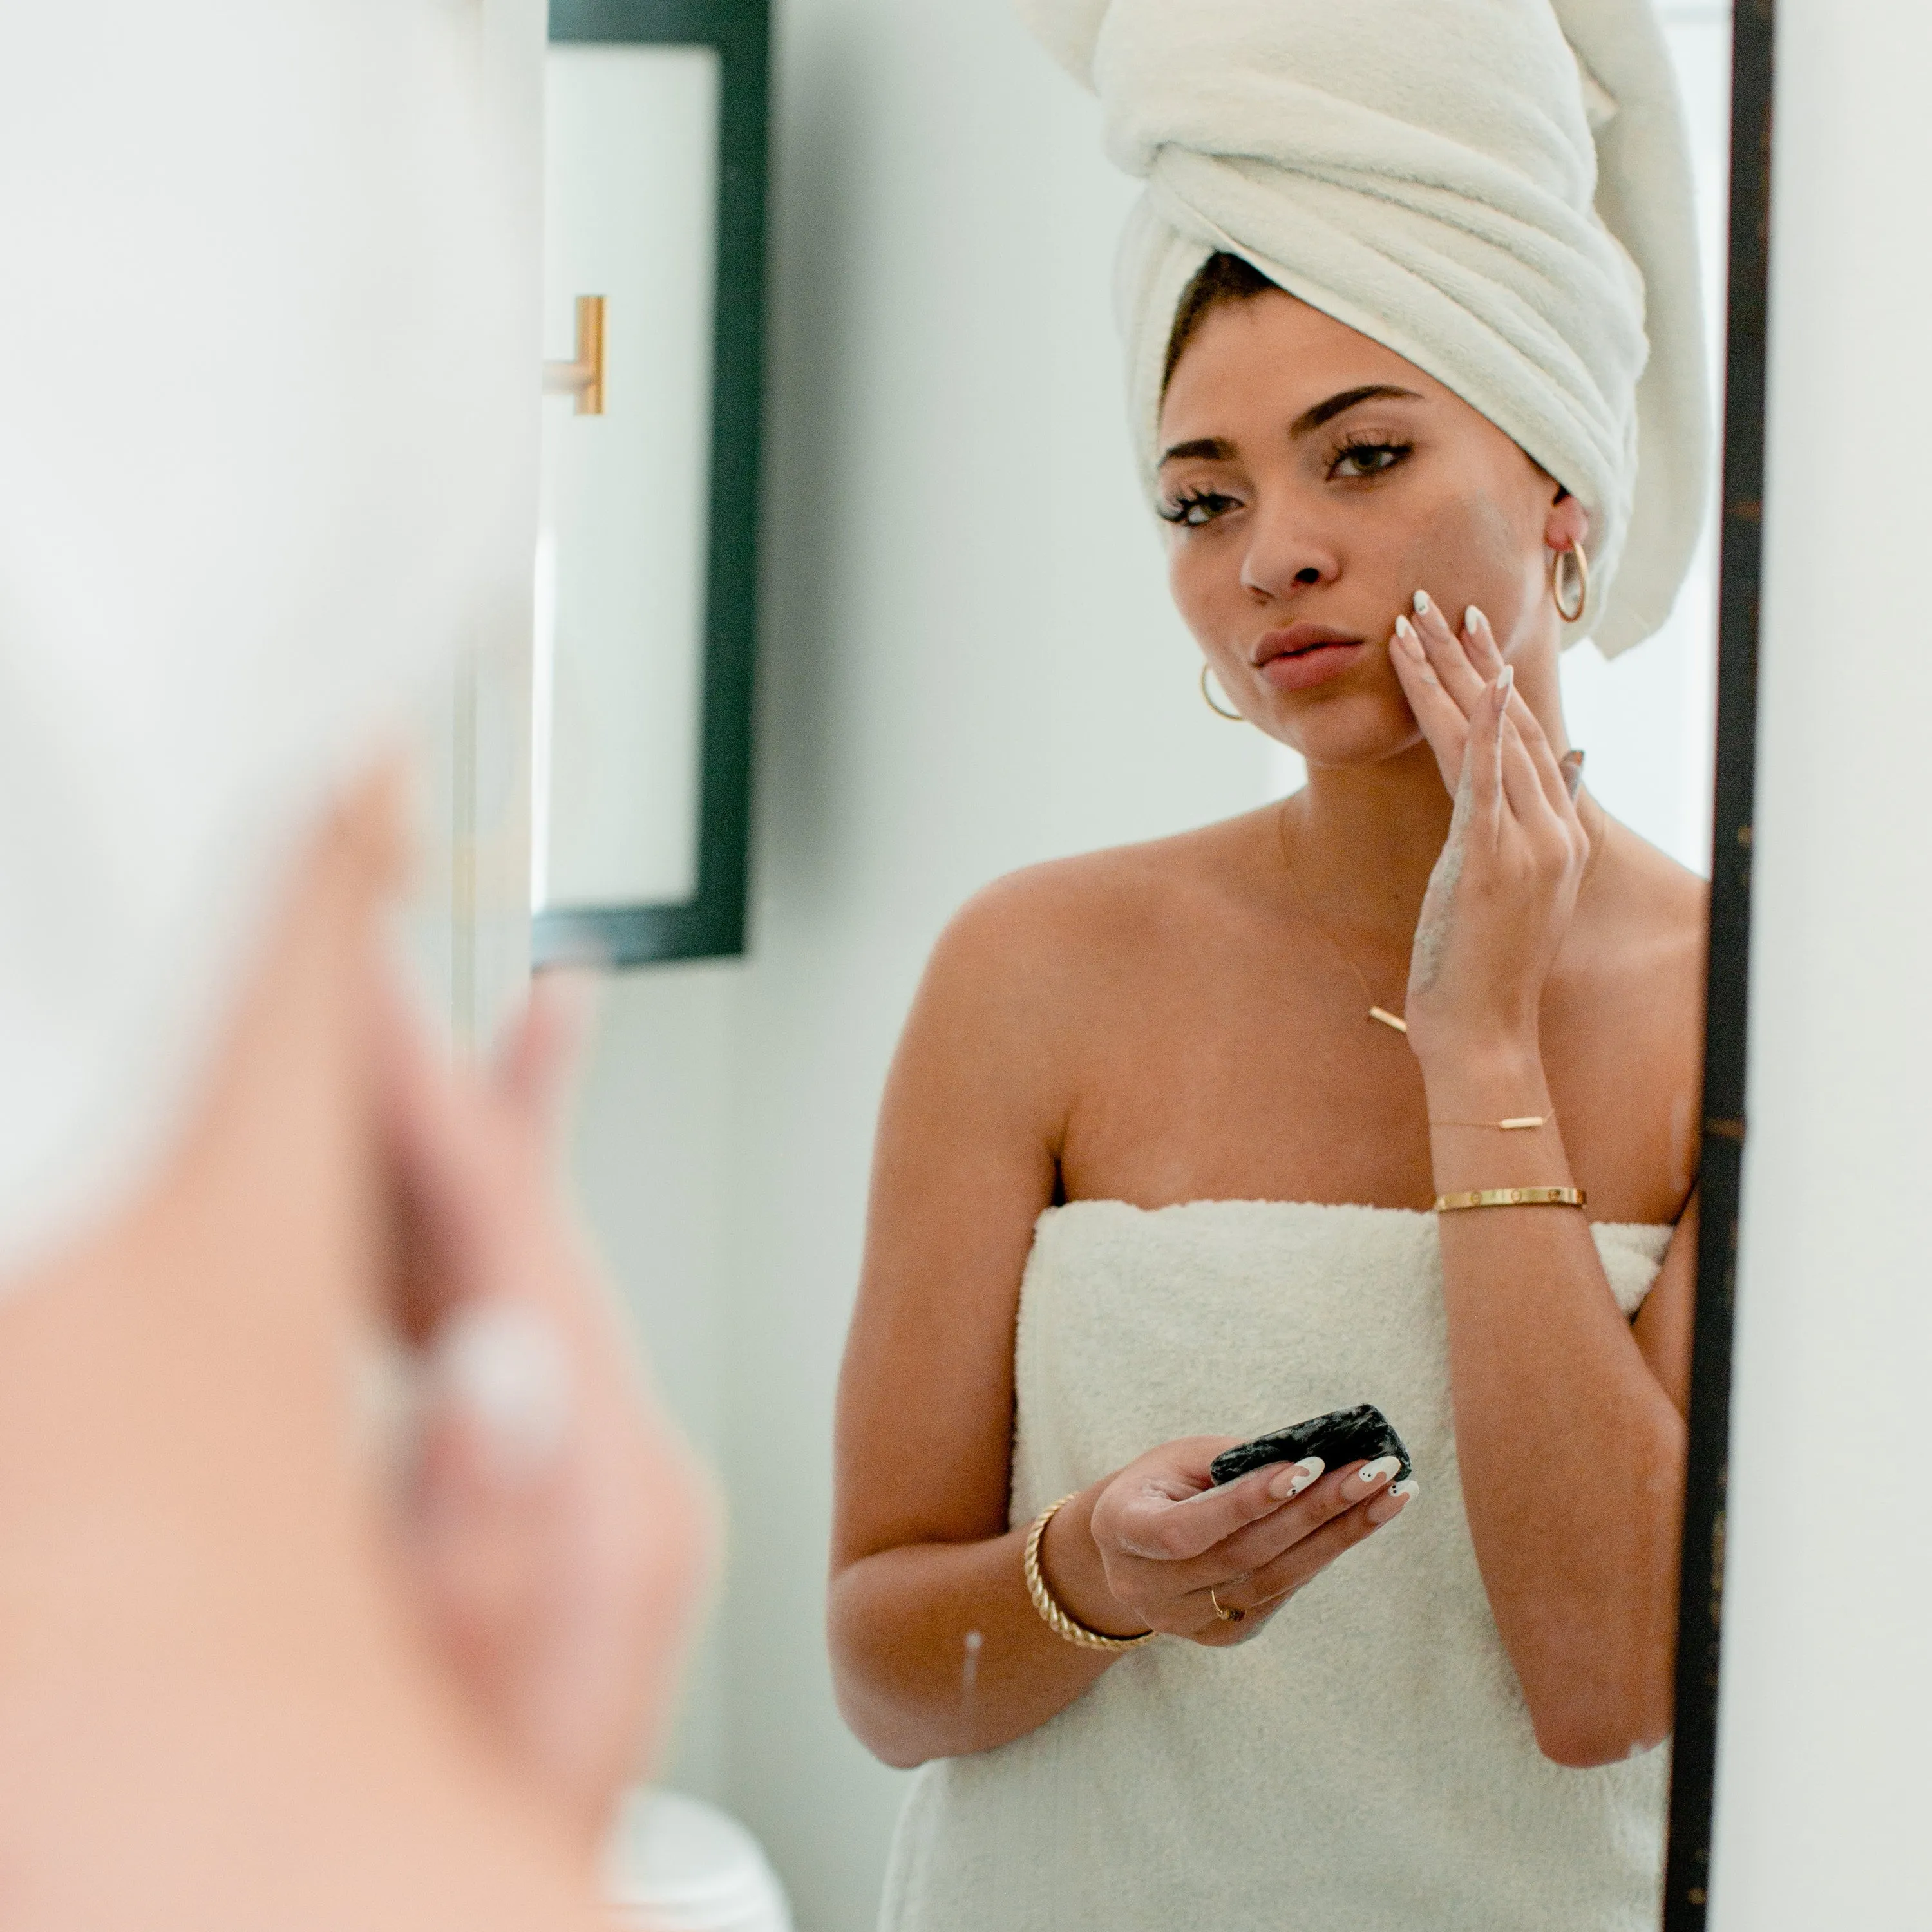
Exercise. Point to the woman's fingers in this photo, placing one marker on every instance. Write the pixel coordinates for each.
(1153, 1517)
(1448, 656)
(1441, 718)
(444, 1178)
(1445, 677)
(1480, 649)
(1479, 640)
(1483, 768)
(1549, 770)
(1263, 1542)
(544, 1045)
(1523, 789)
(1263, 1588)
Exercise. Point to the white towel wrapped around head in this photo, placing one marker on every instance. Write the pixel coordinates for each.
(1496, 190)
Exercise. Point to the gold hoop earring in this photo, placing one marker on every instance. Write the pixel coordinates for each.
(1580, 567)
(1208, 698)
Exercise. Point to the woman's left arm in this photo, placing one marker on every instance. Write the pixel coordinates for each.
(1569, 1423)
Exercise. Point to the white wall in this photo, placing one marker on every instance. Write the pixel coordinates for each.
(1827, 1697)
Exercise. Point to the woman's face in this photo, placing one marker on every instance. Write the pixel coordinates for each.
(1313, 481)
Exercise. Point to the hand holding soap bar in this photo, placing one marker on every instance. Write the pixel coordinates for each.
(1358, 1435)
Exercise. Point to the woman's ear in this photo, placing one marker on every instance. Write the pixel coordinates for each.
(1567, 523)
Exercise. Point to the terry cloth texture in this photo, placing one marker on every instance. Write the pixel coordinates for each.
(1366, 1761)
(262, 392)
(1499, 190)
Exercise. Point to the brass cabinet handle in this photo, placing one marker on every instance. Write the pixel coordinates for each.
(584, 378)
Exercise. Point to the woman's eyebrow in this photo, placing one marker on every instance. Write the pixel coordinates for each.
(1322, 412)
(1214, 449)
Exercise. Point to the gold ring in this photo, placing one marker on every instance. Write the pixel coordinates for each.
(1227, 1616)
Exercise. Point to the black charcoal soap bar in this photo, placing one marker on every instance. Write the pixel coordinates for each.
(1358, 1435)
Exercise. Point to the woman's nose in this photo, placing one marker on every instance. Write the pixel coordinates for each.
(1284, 555)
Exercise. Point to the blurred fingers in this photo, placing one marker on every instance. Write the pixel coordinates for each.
(544, 1044)
(501, 1372)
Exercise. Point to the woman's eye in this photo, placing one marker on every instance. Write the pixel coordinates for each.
(1369, 459)
(1197, 507)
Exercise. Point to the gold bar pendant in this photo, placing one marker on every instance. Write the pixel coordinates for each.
(1389, 1019)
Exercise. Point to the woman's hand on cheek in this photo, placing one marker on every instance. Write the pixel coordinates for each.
(1172, 1544)
(1444, 675)
(1500, 896)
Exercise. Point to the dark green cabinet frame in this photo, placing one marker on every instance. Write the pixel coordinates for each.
(712, 925)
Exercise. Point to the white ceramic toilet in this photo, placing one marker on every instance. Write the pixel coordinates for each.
(676, 1865)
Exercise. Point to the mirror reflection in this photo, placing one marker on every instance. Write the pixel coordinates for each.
(1190, 1201)
(630, 194)
(1214, 1041)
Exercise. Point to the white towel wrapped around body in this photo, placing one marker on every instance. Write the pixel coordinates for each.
(1496, 190)
(1367, 1761)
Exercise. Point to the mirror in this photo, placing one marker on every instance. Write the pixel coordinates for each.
(975, 667)
(631, 209)
(646, 557)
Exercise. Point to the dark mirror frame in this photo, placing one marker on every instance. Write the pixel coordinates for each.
(1700, 1601)
(711, 925)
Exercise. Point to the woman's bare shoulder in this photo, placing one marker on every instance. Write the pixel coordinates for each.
(1658, 902)
(1646, 938)
(1125, 900)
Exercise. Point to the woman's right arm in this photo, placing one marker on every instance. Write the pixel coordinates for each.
(937, 1649)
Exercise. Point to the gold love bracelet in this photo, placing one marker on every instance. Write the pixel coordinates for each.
(1510, 1197)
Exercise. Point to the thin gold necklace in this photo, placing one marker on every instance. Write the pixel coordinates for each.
(1380, 1014)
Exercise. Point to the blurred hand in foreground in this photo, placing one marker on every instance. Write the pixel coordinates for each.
(562, 1535)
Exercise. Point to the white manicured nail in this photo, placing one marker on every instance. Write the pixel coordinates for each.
(1411, 647)
(1506, 679)
(1379, 1471)
(1473, 619)
(1422, 603)
(1299, 1476)
(1408, 1486)
(504, 1364)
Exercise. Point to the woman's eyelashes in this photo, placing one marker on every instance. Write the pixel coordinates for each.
(1364, 453)
(1197, 505)
(1360, 457)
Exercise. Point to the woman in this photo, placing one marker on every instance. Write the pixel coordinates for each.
(343, 1571)
(1158, 1157)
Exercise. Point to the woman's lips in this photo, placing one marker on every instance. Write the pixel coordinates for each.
(1305, 654)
